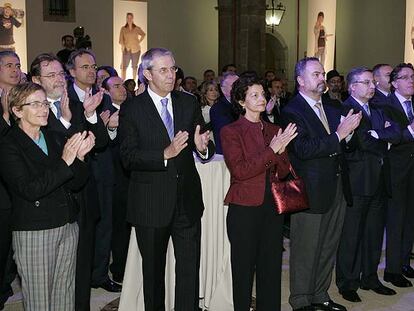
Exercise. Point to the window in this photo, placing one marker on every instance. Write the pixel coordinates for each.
(59, 11)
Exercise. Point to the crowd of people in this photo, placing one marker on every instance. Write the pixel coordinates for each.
(86, 155)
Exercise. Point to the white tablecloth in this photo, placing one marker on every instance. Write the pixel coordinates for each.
(215, 270)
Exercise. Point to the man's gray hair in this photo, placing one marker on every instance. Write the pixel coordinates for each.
(148, 57)
(8, 53)
(354, 73)
(301, 66)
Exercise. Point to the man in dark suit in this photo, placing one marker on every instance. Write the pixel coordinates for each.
(315, 155)
(69, 117)
(9, 77)
(160, 129)
(333, 95)
(221, 113)
(275, 103)
(82, 67)
(121, 230)
(360, 245)
(381, 74)
(400, 211)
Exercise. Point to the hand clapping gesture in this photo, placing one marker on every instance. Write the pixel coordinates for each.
(87, 144)
(348, 124)
(201, 140)
(71, 148)
(91, 102)
(64, 106)
(283, 138)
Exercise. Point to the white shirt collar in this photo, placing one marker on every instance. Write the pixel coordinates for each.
(79, 92)
(116, 106)
(157, 98)
(359, 102)
(401, 98)
(383, 92)
(310, 101)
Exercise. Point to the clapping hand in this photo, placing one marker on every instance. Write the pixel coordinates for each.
(87, 144)
(71, 148)
(178, 143)
(113, 122)
(283, 138)
(64, 106)
(105, 115)
(91, 102)
(201, 140)
(348, 124)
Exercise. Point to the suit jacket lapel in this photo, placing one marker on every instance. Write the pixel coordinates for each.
(311, 114)
(154, 116)
(177, 110)
(28, 145)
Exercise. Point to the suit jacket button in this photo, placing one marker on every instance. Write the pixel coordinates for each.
(337, 174)
(37, 203)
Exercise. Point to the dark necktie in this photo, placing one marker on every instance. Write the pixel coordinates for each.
(167, 119)
(409, 109)
(366, 108)
(58, 109)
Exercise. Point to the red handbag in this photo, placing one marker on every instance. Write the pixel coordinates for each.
(289, 195)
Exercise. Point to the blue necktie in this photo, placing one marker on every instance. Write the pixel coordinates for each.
(166, 118)
(366, 108)
(58, 109)
(409, 110)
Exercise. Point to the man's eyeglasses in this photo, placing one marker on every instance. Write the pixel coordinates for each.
(366, 82)
(405, 78)
(165, 70)
(37, 104)
(53, 75)
(87, 67)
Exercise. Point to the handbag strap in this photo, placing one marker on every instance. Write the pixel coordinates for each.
(291, 170)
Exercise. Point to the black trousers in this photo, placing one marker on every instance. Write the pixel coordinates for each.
(153, 243)
(359, 251)
(121, 230)
(5, 248)
(255, 234)
(102, 169)
(88, 217)
(400, 218)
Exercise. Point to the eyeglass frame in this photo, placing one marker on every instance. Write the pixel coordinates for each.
(38, 104)
(87, 67)
(53, 75)
(366, 82)
(165, 70)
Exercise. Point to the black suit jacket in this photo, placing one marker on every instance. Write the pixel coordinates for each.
(400, 154)
(367, 156)
(4, 195)
(40, 185)
(315, 154)
(221, 114)
(153, 187)
(378, 98)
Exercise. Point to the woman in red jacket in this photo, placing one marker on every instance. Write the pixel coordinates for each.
(254, 151)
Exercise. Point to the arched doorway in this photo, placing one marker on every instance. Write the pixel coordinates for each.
(276, 54)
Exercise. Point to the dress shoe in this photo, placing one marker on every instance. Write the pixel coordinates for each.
(381, 290)
(350, 295)
(328, 306)
(306, 308)
(109, 286)
(397, 280)
(408, 272)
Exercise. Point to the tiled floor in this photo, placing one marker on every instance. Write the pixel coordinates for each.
(403, 301)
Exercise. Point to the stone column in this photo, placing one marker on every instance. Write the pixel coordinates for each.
(242, 31)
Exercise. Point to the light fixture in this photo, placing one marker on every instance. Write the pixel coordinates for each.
(274, 14)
